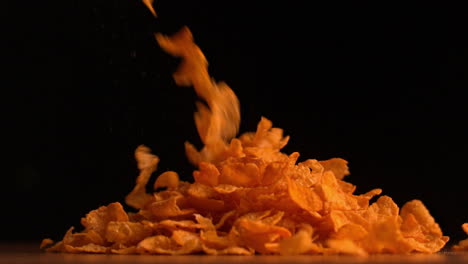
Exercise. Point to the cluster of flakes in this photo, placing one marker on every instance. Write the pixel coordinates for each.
(256, 200)
(247, 196)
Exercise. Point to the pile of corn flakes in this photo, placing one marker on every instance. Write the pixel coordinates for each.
(248, 197)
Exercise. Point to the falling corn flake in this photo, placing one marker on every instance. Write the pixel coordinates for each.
(463, 244)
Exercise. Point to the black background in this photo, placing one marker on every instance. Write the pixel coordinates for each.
(380, 85)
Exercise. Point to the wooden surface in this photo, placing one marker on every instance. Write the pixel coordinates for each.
(30, 253)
